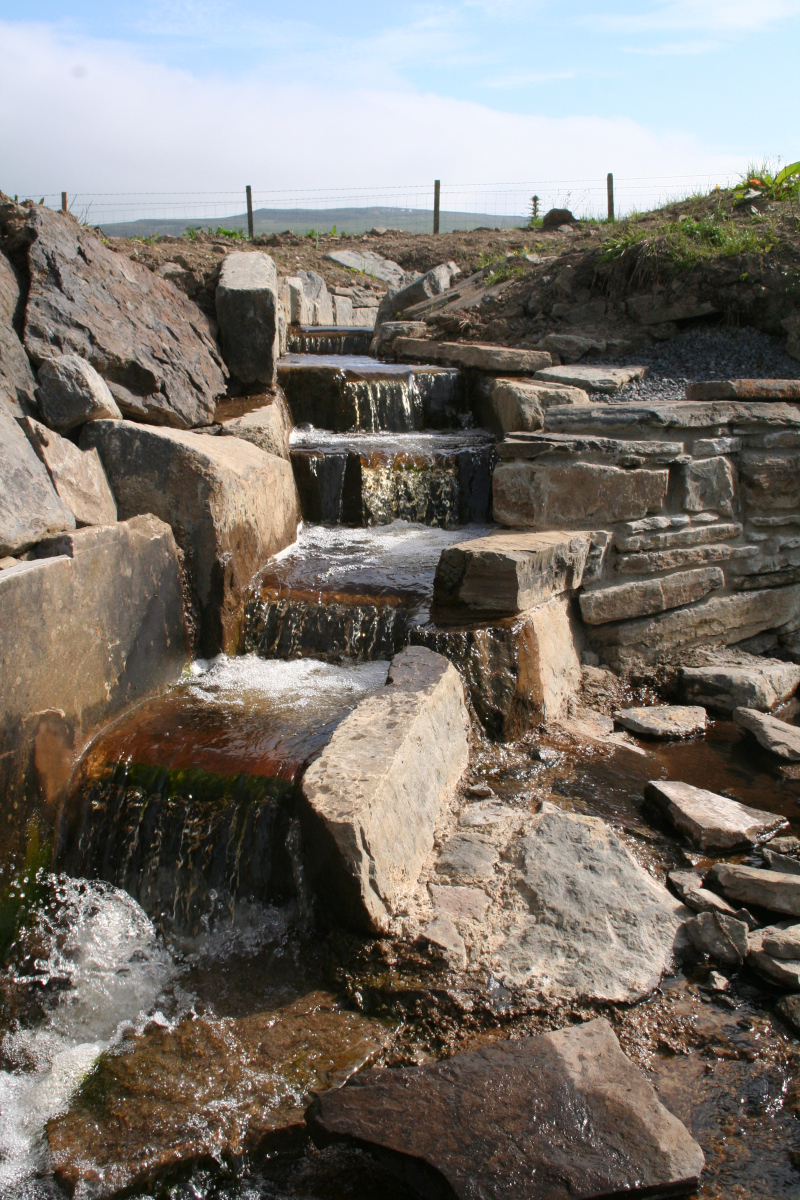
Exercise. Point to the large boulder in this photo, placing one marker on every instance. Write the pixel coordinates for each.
(17, 383)
(375, 796)
(77, 475)
(231, 507)
(552, 1117)
(93, 625)
(71, 393)
(247, 312)
(152, 345)
(29, 507)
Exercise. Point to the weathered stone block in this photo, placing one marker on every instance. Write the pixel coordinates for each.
(510, 572)
(609, 451)
(760, 684)
(709, 821)
(542, 494)
(77, 475)
(744, 389)
(663, 721)
(766, 889)
(483, 357)
(774, 735)
(231, 507)
(511, 1119)
(342, 310)
(769, 479)
(17, 383)
(606, 380)
(29, 507)
(627, 600)
(709, 484)
(269, 426)
(152, 345)
(84, 633)
(71, 393)
(247, 311)
(375, 795)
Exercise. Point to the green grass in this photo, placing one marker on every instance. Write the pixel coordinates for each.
(691, 241)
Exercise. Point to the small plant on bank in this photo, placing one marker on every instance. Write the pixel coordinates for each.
(534, 219)
(689, 241)
(192, 232)
(236, 234)
(768, 183)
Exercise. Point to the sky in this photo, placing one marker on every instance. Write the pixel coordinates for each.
(190, 96)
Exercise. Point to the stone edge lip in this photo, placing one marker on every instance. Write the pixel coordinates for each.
(656, 792)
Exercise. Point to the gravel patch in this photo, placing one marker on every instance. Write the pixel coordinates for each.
(706, 354)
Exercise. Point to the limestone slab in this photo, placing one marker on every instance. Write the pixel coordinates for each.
(627, 600)
(606, 380)
(71, 393)
(367, 262)
(511, 1119)
(598, 925)
(626, 538)
(774, 735)
(77, 475)
(760, 684)
(510, 572)
(769, 479)
(616, 420)
(153, 346)
(650, 561)
(374, 797)
(515, 405)
(548, 494)
(717, 619)
(30, 508)
(744, 389)
(231, 507)
(688, 886)
(709, 821)
(782, 971)
(478, 355)
(611, 451)
(246, 302)
(663, 720)
(767, 889)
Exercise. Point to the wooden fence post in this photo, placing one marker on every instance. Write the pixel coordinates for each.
(436, 192)
(610, 186)
(64, 202)
(249, 212)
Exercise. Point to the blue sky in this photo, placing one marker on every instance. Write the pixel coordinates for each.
(188, 93)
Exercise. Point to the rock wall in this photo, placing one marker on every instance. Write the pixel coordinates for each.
(693, 510)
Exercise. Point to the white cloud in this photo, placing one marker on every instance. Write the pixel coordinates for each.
(516, 79)
(94, 117)
(720, 16)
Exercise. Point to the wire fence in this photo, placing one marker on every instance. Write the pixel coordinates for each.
(358, 210)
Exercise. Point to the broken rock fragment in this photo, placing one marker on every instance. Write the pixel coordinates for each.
(768, 889)
(709, 821)
(71, 393)
(77, 475)
(553, 1117)
(775, 735)
(30, 508)
(662, 721)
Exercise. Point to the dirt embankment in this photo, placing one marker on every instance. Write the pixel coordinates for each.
(619, 286)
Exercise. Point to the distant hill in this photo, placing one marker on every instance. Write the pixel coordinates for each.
(306, 220)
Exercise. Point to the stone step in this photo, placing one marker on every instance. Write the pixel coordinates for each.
(613, 451)
(709, 821)
(570, 495)
(606, 380)
(779, 737)
(341, 393)
(509, 572)
(628, 600)
(744, 389)
(498, 360)
(505, 405)
(635, 417)
(631, 537)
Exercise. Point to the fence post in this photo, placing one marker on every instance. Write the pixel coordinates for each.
(610, 185)
(64, 202)
(436, 191)
(249, 212)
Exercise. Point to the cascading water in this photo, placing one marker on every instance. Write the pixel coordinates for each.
(91, 967)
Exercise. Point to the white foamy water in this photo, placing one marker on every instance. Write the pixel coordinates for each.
(101, 947)
(300, 687)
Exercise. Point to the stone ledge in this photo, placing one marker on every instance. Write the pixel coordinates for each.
(478, 355)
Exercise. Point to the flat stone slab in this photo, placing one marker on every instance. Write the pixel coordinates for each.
(546, 494)
(606, 934)
(367, 262)
(606, 380)
(624, 601)
(709, 821)
(249, 1079)
(768, 889)
(553, 1117)
(777, 968)
(374, 797)
(510, 572)
(779, 737)
(744, 389)
(757, 685)
(619, 419)
(612, 451)
(663, 721)
(480, 356)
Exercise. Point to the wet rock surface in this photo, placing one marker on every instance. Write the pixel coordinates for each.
(710, 821)
(663, 720)
(779, 737)
(150, 343)
(511, 1118)
(761, 684)
(206, 1089)
(268, 426)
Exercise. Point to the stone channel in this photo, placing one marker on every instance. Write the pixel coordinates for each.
(401, 760)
